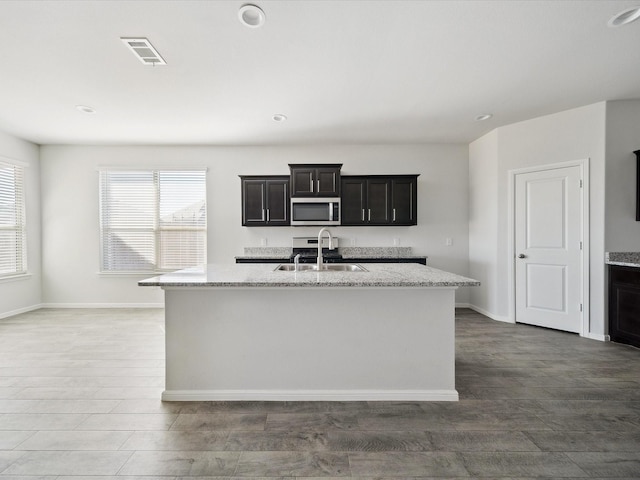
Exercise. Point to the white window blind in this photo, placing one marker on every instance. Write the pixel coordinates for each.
(13, 241)
(152, 220)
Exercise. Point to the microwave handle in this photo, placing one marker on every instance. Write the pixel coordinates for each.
(331, 211)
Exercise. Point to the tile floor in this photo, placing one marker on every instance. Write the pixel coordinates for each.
(79, 397)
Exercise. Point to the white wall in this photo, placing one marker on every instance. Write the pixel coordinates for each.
(483, 221)
(70, 208)
(622, 232)
(24, 293)
(561, 137)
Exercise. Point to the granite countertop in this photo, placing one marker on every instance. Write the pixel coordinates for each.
(625, 259)
(346, 252)
(263, 275)
(267, 252)
(378, 252)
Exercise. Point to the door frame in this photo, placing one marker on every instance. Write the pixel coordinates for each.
(511, 241)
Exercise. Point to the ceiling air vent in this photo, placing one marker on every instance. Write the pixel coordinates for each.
(144, 51)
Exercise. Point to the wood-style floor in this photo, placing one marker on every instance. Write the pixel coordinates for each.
(80, 389)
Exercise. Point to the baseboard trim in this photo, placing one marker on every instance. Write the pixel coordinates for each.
(498, 318)
(597, 336)
(102, 305)
(310, 395)
(20, 310)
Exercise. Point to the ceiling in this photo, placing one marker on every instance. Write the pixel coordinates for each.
(341, 71)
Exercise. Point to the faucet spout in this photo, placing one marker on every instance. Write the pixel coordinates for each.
(323, 230)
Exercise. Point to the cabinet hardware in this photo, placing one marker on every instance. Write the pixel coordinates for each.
(394, 214)
(268, 215)
(522, 255)
(318, 188)
(363, 214)
(369, 214)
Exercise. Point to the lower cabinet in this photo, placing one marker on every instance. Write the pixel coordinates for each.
(420, 260)
(624, 304)
(265, 201)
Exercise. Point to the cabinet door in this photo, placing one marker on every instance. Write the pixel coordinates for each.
(624, 304)
(378, 201)
(403, 201)
(327, 182)
(353, 200)
(303, 182)
(277, 194)
(253, 202)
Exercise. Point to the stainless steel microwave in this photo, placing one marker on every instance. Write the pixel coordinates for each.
(315, 211)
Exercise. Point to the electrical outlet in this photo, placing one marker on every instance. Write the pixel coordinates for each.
(396, 242)
(448, 241)
(353, 242)
(263, 242)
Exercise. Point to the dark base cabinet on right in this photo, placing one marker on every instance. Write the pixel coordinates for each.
(624, 304)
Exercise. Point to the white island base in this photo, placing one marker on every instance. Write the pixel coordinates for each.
(310, 343)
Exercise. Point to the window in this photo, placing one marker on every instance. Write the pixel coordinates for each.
(152, 220)
(13, 241)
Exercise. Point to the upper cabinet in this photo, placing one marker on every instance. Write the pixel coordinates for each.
(315, 180)
(404, 200)
(265, 201)
(385, 200)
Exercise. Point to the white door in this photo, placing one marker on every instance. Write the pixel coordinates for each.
(548, 244)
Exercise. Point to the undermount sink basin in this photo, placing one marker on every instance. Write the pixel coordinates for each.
(326, 267)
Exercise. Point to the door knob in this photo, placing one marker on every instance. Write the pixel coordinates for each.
(522, 255)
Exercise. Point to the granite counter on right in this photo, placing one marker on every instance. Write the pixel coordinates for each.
(623, 259)
(624, 297)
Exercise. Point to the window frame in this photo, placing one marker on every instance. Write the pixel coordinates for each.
(157, 228)
(20, 227)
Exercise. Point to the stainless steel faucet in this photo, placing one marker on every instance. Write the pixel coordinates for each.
(296, 261)
(323, 230)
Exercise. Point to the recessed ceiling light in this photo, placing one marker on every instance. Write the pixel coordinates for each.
(85, 109)
(483, 117)
(625, 17)
(279, 117)
(251, 16)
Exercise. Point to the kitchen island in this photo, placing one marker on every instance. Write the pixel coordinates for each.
(248, 332)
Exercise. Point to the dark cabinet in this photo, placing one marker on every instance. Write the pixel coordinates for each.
(404, 197)
(353, 200)
(419, 260)
(386, 200)
(624, 304)
(315, 180)
(265, 201)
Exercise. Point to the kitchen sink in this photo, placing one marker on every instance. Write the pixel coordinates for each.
(326, 267)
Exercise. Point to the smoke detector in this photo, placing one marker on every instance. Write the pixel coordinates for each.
(251, 16)
(144, 51)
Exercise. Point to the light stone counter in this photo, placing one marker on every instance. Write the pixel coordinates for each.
(247, 332)
(377, 252)
(624, 259)
(264, 275)
(284, 253)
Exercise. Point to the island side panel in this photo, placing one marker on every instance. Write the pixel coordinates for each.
(312, 343)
